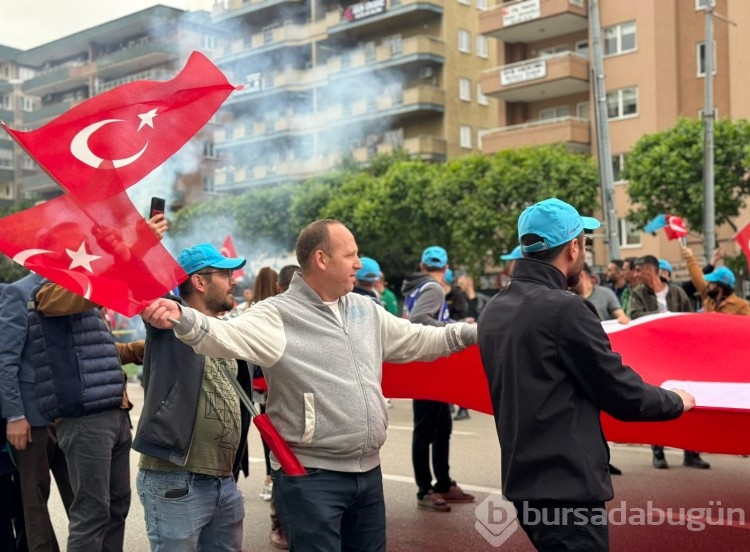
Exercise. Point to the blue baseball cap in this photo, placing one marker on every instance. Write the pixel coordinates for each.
(370, 271)
(203, 255)
(721, 275)
(555, 221)
(665, 265)
(513, 255)
(435, 256)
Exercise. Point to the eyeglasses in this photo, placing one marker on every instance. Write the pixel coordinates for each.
(227, 273)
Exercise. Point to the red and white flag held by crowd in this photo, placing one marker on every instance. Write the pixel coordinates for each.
(99, 248)
(675, 228)
(129, 130)
(228, 250)
(743, 240)
(703, 353)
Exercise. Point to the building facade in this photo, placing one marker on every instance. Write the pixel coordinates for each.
(654, 68)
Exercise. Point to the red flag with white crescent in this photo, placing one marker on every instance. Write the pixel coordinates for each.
(703, 353)
(103, 250)
(743, 240)
(228, 250)
(129, 130)
(675, 228)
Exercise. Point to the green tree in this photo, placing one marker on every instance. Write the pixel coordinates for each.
(11, 271)
(665, 171)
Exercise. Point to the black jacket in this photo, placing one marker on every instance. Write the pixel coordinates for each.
(551, 371)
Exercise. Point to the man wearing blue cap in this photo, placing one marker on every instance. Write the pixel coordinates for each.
(192, 433)
(551, 371)
(367, 278)
(665, 270)
(715, 288)
(322, 350)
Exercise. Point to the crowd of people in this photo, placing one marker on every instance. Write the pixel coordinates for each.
(308, 344)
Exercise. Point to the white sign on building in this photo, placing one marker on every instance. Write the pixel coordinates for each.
(520, 12)
(521, 73)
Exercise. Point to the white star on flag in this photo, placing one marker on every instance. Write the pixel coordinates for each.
(81, 258)
(147, 118)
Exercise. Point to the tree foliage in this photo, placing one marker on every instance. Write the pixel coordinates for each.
(11, 271)
(665, 171)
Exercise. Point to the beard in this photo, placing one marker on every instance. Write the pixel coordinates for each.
(573, 280)
(713, 293)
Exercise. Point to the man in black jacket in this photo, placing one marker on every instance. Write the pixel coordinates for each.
(551, 371)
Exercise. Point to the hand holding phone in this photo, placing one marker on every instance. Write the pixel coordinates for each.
(157, 206)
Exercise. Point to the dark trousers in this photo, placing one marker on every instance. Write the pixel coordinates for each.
(329, 511)
(98, 451)
(42, 456)
(561, 526)
(432, 428)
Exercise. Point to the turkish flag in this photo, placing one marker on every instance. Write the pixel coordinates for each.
(675, 228)
(743, 240)
(227, 249)
(102, 249)
(702, 353)
(122, 135)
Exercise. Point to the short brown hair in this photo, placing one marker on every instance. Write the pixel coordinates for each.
(313, 237)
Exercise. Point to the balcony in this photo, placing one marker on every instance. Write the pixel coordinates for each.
(39, 185)
(533, 20)
(46, 112)
(408, 102)
(59, 79)
(538, 79)
(136, 56)
(272, 39)
(380, 15)
(572, 131)
(237, 8)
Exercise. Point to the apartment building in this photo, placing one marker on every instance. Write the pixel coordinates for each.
(152, 44)
(325, 80)
(654, 72)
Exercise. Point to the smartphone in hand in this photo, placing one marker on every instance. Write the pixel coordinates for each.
(157, 206)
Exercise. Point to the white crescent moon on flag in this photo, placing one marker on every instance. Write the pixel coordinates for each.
(22, 256)
(79, 147)
(677, 227)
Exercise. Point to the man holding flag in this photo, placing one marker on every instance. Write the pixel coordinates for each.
(715, 288)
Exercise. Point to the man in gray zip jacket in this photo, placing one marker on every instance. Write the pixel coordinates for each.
(321, 348)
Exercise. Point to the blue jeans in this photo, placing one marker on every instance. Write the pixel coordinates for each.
(329, 511)
(185, 511)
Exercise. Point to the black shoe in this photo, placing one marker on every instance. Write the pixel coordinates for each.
(462, 414)
(614, 470)
(694, 460)
(660, 463)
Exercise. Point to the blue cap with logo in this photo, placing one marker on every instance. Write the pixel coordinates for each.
(203, 255)
(370, 271)
(435, 256)
(555, 222)
(513, 255)
(665, 265)
(721, 275)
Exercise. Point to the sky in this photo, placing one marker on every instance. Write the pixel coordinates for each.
(25, 24)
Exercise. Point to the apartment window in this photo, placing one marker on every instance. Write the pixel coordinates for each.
(582, 48)
(7, 102)
(209, 42)
(628, 233)
(554, 112)
(481, 98)
(464, 89)
(483, 49)
(465, 136)
(583, 109)
(700, 58)
(481, 4)
(6, 159)
(622, 103)
(208, 150)
(618, 163)
(619, 39)
(552, 50)
(27, 104)
(703, 4)
(464, 41)
(208, 184)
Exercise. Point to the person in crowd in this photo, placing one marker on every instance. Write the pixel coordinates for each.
(603, 298)
(551, 371)
(716, 260)
(192, 432)
(633, 281)
(665, 270)
(321, 348)
(424, 303)
(35, 448)
(616, 278)
(715, 288)
(367, 278)
(387, 297)
(656, 295)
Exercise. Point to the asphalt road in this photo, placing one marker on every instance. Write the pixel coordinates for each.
(475, 459)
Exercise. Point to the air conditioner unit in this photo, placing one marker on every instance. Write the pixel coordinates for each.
(425, 72)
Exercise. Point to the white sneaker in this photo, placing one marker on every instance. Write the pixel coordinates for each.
(265, 494)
